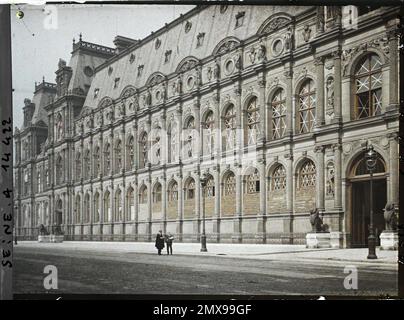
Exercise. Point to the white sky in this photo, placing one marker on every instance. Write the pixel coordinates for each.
(34, 56)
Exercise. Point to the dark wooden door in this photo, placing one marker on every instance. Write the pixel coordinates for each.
(361, 210)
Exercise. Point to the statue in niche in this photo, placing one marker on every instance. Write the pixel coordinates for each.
(178, 85)
(261, 51)
(209, 73)
(238, 61)
(59, 127)
(330, 95)
(306, 33)
(288, 37)
(252, 55)
(198, 77)
(216, 70)
(390, 216)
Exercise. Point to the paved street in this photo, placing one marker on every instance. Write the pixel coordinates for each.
(266, 270)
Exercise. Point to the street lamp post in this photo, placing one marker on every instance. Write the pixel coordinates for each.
(203, 181)
(371, 159)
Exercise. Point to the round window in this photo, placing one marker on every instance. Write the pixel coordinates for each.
(88, 71)
(277, 47)
(229, 66)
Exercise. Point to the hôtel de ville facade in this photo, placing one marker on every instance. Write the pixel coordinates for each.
(273, 105)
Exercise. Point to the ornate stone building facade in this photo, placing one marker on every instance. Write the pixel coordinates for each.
(274, 104)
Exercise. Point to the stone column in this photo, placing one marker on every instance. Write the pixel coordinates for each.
(261, 220)
(197, 222)
(239, 206)
(319, 63)
(262, 137)
(180, 132)
(288, 222)
(338, 178)
(320, 185)
(164, 202)
(135, 206)
(198, 128)
(135, 146)
(337, 86)
(394, 168)
(216, 220)
(393, 73)
(149, 208)
(289, 101)
(180, 207)
(101, 210)
(163, 141)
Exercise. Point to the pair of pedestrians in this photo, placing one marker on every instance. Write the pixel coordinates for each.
(167, 239)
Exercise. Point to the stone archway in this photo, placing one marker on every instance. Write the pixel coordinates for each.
(59, 213)
(358, 195)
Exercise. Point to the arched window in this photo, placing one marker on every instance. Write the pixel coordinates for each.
(361, 168)
(189, 137)
(143, 195)
(210, 187)
(87, 165)
(97, 212)
(253, 182)
(78, 166)
(173, 192)
(278, 179)
(209, 133)
(107, 159)
(229, 137)
(190, 189)
(143, 150)
(47, 178)
(307, 106)
(118, 206)
(39, 181)
(107, 207)
(86, 213)
(118, 156)
(78, 210)
(59, 170)
(368, 87)
(131, 205)
(157, 193)
(278, 115)
(230, 184)
(307, 175)
(253, 121)
(97, 162)
(130, 149)
(173, 143)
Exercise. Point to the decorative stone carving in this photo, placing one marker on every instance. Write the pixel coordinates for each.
(330, 183)
(199, 39)
(167, 56)
(188, 26)
(157, 44)
(276, 23)
(261, 54)
(187, 65)
(140, 70)
(132, 58)
(227, 46)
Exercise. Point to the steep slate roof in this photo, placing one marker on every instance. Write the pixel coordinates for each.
(209, 19)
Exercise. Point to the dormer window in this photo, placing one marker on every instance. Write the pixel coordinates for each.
(96, 90)
(199, 39)
(240, 19)
(116, 82)
(140, 70)
(167, 56)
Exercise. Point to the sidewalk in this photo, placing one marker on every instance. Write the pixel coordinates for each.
(297, 253)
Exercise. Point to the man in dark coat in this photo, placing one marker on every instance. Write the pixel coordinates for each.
(159, 242)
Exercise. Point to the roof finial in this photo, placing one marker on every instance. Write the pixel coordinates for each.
(80, 36)
(74, 41)
(43, 79)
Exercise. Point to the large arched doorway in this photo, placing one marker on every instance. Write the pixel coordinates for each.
(359, 195)
(59, 213)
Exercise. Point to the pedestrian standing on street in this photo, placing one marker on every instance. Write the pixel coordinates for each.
(169, 242)
(159, 242)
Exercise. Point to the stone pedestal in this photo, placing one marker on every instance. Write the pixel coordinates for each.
(44, 239)
(51, 238)
(389, 240)
(318, 240)
(336, 240)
